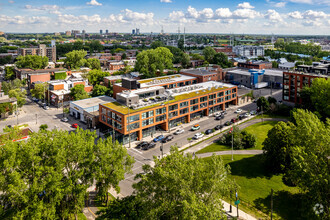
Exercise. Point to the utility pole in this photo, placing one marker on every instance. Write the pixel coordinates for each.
(36, 118)
(232, 143)
(162, 150)
(237, 201)
(271, 204)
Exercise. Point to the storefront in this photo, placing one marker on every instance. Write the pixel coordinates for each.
(178, 121)
(148, 131)
(196, 115)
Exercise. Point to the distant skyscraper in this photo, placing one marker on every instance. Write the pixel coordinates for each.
(133, 31)
(83, 32)
(106, 31)
(137, 31)
(101, 31)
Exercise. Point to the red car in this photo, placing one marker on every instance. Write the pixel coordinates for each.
(75, 125)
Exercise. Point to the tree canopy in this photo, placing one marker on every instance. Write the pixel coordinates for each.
(32, 62)
(95, 77)
(20, 95)
(78, 92)
(100, 90)
(10, 74)
(39, 90)
(153, 60)
(93, 63)
(209, 54)
(75, 59)
(177, 187)
(46, 177)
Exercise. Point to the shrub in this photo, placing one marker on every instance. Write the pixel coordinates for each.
(60, 75)
(43, 127)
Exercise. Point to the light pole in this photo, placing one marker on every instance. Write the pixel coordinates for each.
(63, 102)
(232, 143)
(36, 118)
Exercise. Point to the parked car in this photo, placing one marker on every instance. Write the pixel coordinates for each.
(179, 131)
(75, 125)
(218, 127)
(227, 123)
(195, 127)
(224, 112)
(238, 110)
(253, 112)
(217, 114)
(145, 147)
(198, 136)
(167, 138)
(247, 114)
(46, 107)
(233, 120)
(34, 99)
(159, 138)
(208, 131)
(151, 145)
(242, 116)
(220, 117)
(141, 144)
(65, 119)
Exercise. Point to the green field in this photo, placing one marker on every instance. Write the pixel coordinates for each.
(260, 130)
(255, 185)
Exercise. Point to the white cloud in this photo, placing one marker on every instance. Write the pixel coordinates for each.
(192, 13)
(316, 23)
(273, 16)
(295, 15)
(280, 4)
(245, 13)
(94, 3)
(312, 2)
(245, 5)
(11, 2)
(310, 14)
(223, 13)
(166, 1)
(302, 1)
(178, 16)
(52, 9)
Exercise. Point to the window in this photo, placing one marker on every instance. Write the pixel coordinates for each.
(183, 104)
(212, 96)
(194, 101)
(160, 118)
(173, 114)
(227, 92)
(103, 118)
(234, 95)
(184, 111)
(147, 122)
(193, 108)
(220, 100)
(133, 126)
(147, 114)
(109, 113)
(109, 121)
(187, 83)
(203, 99)
(104, 111)
(212, 102)
(203, 105)
(227, 97)
(173, 107)
(133, 118)
(220, 94)
(234, 90)
(161, 111)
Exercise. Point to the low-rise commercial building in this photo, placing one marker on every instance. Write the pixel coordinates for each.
(260, 65)
(139, 113)
(204, 74)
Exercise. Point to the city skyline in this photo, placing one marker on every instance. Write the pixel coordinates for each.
(250, 17)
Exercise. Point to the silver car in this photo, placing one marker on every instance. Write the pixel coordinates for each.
(179, 131)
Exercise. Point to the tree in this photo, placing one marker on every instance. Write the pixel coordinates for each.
(14, 84)
(310, 161)
(185, 60)
(75, 59)
(263, 104)
(5, 60)
(20, 95)
(93, 63)
(95, 45)
(274, 64)
(95, 77)
(178, 187)
(47, 176)
(278, 147)
(248, 140)
(43, 127)
(32, 62)
(99, 90)
(209, 53)
(181, 44)
(222, 60)
(78, 92)
(156, 44)
(196, 56)
(151, 61)
(316, 97)
(10, 74)
(39, 90)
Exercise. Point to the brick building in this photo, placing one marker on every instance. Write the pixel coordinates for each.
(204, 74)
(255, 65)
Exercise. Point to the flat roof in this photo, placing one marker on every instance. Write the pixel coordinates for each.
(178, 94)
(164, 79)
(90, 102)
(269, 72)
(199, 71)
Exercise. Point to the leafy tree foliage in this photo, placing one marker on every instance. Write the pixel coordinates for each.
(78, 92)
(240, 139)
(5, 60)
(156, 44)
(95, 77)
(263, 104)
(196, 56)
(209, 54)
(75, 59)
(95, 45)
(181, 44)
(14, 84)
(177, 187)
(32, 62)
(151, 61)
(316, 98)
(39, 90)
(10, 74)
(278, 147)
(222, 60)
(179, 56)
(93, 63)
(43, 127)
(47, 176)
(20, 95)
(100, 90)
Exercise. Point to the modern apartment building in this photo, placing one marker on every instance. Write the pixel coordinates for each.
(249, 51)
(294, 81)
(42, 50)
(140, 112)
(204, 74)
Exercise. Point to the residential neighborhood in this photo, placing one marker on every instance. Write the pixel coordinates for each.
(100, 121)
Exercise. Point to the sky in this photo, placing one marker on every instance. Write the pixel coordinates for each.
(309, 17)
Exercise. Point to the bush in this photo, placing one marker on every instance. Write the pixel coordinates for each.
(242, 139)
(248, 140)
(43, 127)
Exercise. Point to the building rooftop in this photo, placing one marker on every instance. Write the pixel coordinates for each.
(200, 71)
(176, 94)
(270, 72)
(87, 103)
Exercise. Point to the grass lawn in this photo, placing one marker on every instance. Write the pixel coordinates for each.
(255, 185)
(260, 130)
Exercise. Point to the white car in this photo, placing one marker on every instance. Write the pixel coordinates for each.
(65, 119)
(247, 114)
(46, 107)
(179, 131)
(198, 136)
(238, 110)
(217, 114)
